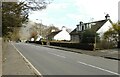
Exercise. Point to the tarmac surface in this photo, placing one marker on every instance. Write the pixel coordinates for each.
(11, 58)
(107, 53)
(49, 61)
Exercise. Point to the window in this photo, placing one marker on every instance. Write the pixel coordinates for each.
(93, 23)
(82, 28)
(90, 26)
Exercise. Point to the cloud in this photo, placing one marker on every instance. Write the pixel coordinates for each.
(78, 17)
(57, 6)
(50, 13)
(70, 12)
(74, 16)
(98, 8)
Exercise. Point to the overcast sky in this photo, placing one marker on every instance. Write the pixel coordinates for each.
(70, 12)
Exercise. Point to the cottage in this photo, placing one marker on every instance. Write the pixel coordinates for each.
(99, 27)
(39, 37)
(59, 35)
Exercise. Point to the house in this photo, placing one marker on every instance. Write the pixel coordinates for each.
(32, 39)
(59, 35)
(39, 37)
(99, 27)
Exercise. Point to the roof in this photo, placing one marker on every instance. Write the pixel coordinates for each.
(94, 27)
(75, 32)
(53, 33)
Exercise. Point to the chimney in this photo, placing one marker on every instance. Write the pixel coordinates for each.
(63, 28)
(53, 30)
(81, 22)
(78, 27)
(107, 17)
(81, 25)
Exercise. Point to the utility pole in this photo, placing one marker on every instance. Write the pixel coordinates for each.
(41, 27)
(118, 24)
(118, 36)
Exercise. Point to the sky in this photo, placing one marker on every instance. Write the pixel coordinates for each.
(70, 12)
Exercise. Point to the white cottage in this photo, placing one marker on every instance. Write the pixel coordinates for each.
(39, 37)
(99, 27)
(60, 35)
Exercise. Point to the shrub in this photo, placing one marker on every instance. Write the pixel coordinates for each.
(105, 45)
(89, 36)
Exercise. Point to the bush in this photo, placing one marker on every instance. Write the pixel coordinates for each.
(89, 36)
(105, 45)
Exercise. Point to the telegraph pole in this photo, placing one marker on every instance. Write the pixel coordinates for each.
(118, 36)
(119, 24)
(41, 27)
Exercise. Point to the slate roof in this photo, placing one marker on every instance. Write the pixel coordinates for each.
(51, 35)
(95, 27)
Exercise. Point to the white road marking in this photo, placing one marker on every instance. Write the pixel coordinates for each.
(98, 68)
(57, 55)
(38, 73)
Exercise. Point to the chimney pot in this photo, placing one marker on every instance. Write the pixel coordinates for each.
(107, 16)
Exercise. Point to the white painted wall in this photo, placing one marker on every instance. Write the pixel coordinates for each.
(63, 35)
(38, 38)
(32, 39)
(104, 28)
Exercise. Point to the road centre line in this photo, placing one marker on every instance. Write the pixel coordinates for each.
(98, 68)
(57, 55)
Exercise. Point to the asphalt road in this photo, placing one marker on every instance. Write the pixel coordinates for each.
(50, 61)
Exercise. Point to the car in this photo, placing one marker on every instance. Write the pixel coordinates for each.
(18, 40)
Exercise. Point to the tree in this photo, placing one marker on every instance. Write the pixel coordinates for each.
(88, 36)
(0, 19)
(50, 29)
(116, 27)
(14, 14)
(41, 29)
(33, 35)
(34, 5)
(111, 35)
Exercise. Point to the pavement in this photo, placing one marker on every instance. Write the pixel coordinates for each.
(0, 57)
(13, 63)
(108, 53)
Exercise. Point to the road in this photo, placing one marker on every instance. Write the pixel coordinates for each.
(50, 61)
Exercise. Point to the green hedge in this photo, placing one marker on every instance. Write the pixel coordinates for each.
(84, 46)
(39, 42)
(118, 44)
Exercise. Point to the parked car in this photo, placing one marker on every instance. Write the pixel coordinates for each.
(18, 40)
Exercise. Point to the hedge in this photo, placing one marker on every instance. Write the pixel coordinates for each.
(84, 46)
(118, 44)
(39, 42)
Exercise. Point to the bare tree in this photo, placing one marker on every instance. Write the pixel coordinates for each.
(35, 5)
